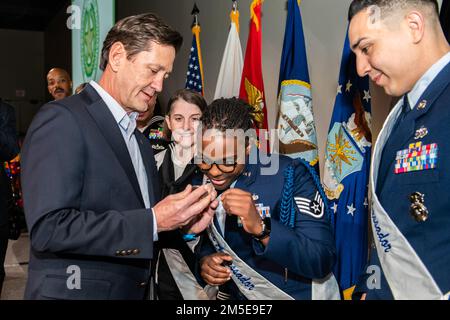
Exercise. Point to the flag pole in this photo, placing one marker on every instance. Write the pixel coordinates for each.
(195, 11)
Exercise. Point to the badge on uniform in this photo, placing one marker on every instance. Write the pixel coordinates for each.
(156, 134)
(422, 105)
(264, 211)
(314, 208)
(417, 157)
(418, 210)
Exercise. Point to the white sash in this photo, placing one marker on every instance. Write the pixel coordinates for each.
(252, 285)
(255, 287)
(406, 274)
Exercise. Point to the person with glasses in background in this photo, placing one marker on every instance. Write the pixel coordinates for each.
(271, 236)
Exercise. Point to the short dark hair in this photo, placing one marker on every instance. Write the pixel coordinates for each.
(135, 33)
(228, 113)
(189, 96)
(386, 6)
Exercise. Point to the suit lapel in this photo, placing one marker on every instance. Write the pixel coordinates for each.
(110, 130)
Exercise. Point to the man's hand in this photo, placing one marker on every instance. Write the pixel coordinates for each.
(212, 269)
(240, 203)
(187, 207)
(201, 221)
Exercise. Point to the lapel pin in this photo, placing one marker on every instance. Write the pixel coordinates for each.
(422, 105)
(421, 133)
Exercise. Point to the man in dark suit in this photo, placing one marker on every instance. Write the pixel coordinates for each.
(401, 46)
(59, 84)
(90, 187)
(8, 150)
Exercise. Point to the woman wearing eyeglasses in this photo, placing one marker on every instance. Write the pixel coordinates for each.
(271, 237)
(174, 274)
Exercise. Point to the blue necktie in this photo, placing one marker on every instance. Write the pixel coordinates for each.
(406, 108)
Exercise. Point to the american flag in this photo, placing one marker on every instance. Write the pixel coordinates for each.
(194, 75)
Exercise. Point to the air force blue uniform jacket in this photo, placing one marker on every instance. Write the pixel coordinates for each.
(295, 255)
(426, 125)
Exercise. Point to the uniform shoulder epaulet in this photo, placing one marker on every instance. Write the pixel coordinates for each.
(287, 207)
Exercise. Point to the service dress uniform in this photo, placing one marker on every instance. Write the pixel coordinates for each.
(409, 181)
(301, 245)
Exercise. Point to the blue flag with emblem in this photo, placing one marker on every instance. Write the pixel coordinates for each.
(296, 128)
(346, 170)
(194, 75)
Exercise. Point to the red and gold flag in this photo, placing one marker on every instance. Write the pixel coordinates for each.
(252, 85)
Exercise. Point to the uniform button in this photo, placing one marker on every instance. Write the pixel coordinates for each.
(129, 252)
(136, 251)
(123, 253)
(143, 284)
(118, 253)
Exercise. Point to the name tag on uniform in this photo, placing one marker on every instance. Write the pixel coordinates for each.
(417, 157)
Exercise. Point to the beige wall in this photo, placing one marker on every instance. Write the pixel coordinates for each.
(324, 25)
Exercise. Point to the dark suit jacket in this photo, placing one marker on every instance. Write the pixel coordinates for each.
(8, 150)
(83, 204)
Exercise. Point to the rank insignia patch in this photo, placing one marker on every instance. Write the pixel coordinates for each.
(417, 157)
(310, 207)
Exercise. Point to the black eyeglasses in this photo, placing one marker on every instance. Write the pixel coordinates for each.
(205, 164)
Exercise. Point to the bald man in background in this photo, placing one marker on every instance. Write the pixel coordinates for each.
(59, 83)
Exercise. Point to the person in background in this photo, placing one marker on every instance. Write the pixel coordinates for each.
(176, 264)
(59, 83)
(9, 149)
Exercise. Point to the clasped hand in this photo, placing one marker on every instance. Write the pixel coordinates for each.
(240, 203)
(190, 209)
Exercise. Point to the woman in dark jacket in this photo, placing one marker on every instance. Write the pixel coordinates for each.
(176, 261)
